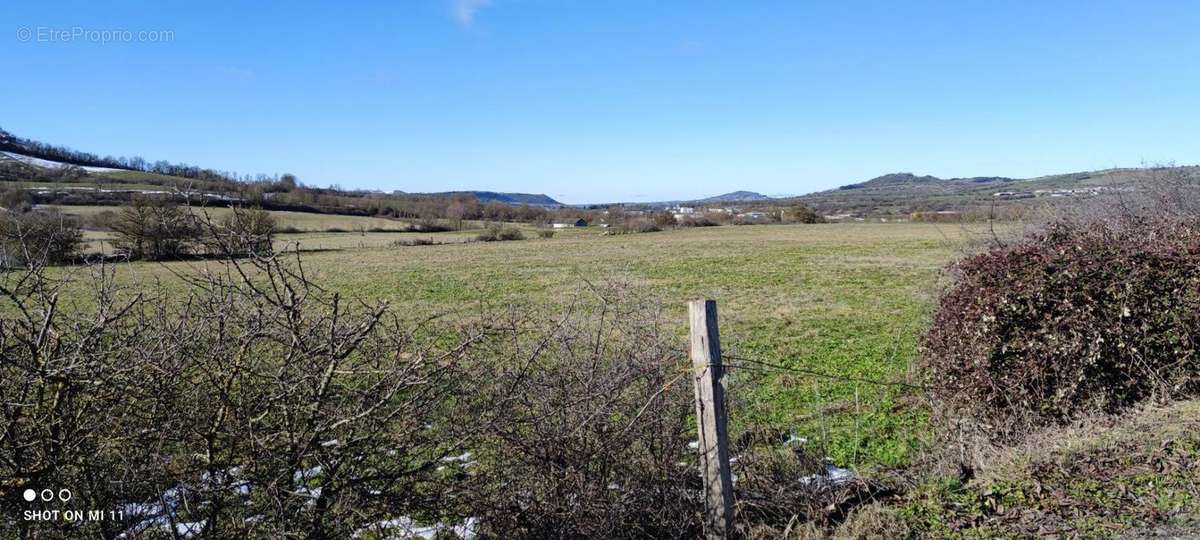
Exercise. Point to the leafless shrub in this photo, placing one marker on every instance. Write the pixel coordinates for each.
(241, 232)
(594, 442)
(37, 237)
(254, 404)
(156, 229)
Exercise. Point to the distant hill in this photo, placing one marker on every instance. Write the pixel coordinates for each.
(736, 196)
(532, 199)
(731, 197)
(910, 179)
(903, 193)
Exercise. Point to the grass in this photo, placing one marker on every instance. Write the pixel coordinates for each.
(141, 176)
(314, 227)
(847, 299)
(1134, 475)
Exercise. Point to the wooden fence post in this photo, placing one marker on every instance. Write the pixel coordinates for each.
(710, 419)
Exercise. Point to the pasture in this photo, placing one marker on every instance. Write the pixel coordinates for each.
(849, 300)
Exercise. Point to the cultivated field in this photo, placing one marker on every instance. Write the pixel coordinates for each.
(847, 299)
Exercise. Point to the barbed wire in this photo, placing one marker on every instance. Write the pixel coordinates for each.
(763, 366)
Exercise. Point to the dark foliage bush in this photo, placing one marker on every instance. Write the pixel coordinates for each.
(429, 226)
(1085, 316)
(697, 221)
(665, 220)
(500, 233)
(410, 242)
(803, 214)
(632, 226)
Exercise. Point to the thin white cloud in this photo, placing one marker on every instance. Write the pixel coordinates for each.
(465, 10)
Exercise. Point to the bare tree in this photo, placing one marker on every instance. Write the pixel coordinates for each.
(155, 228)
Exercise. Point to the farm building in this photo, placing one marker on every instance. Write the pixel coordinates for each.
(577, 223)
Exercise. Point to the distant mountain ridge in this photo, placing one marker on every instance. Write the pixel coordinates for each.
(899, 179)
(736, 196)
(899, 194)
(532, 199)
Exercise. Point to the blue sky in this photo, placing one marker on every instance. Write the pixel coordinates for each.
(611, 100)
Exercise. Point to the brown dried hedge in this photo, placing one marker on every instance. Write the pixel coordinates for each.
(1085, 316)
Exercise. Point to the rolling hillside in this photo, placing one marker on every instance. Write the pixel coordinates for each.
(736, 196)
(533, 199)
(903, 193)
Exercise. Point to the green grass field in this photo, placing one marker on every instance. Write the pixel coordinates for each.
(314, 227)
(846, 299)
(314, 235)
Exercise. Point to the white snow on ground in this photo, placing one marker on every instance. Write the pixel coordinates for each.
(308, 474)
(188, 530)
(465, 457)
(832, 475)
(403, 528)
(46, 163)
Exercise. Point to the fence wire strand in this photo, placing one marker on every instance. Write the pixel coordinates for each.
(762, 366)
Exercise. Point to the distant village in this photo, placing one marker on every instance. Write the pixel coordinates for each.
(1072, 192)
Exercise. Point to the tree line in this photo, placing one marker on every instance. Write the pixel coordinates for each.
(198, 185)
(148, 229)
